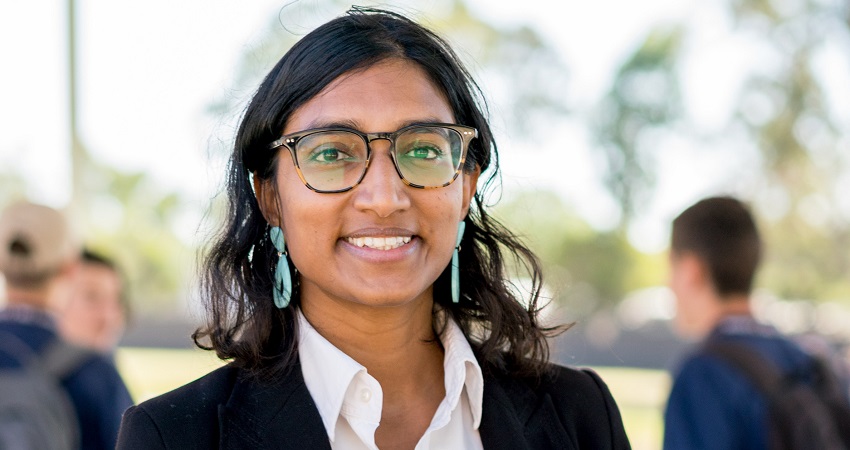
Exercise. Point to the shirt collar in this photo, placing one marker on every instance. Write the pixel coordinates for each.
(743, 324)
(28, 315)
(328, 372)
(461, 370)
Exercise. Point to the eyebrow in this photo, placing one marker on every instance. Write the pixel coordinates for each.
(353, 124)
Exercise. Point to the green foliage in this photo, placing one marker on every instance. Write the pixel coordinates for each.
(518, 59)
(583, 267)
(798, 136)
(644, 96)
(129, 219)
(786, 115)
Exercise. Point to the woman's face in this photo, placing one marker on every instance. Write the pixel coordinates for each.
(419, 226)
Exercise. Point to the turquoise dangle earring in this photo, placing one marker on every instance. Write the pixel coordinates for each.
(455, 265)
(282, 291)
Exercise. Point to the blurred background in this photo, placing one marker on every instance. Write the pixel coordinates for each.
(611, 117)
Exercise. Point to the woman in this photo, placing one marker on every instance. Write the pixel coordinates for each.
(358, 285)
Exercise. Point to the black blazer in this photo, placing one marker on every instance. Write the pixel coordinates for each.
(567, 409)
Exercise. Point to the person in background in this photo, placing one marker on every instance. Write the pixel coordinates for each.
(96, 312)
(38, 254)
(358, 282)
(715, 402)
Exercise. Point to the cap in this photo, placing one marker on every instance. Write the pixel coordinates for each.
(35, 241)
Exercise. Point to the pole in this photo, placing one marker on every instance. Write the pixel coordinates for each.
(76, 209)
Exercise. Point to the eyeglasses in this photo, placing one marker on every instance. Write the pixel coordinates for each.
(425, 156)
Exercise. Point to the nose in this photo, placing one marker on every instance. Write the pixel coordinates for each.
(382, 191)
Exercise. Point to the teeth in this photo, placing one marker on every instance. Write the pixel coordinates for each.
(379, 243)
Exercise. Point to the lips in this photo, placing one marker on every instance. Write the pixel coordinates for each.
(379, 243)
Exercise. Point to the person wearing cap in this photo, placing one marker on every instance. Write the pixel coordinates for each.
(38, 253)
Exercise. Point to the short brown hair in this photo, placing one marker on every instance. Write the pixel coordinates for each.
(721, 231)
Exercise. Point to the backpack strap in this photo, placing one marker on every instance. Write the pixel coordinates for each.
(61, 359)
(823, 398)
(37, 411)
(761, 371)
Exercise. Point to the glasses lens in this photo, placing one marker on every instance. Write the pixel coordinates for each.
(429, 156)
(331, 160)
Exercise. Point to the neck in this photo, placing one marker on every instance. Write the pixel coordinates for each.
(733, 305)
(398, 347)
(35, 298)
(396, 344)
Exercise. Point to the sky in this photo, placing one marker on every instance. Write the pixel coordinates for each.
(148, 72)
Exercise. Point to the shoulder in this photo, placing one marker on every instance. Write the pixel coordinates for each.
(711, 388)
(708, 367)
(94, 368)
(574, 398)
(93, 382)
(193, 399)
(577, 388)
(709, 377)
(185, 414)
(712, 402)
(581, 394)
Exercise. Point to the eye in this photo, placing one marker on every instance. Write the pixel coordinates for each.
(424, 152)
(329, 154)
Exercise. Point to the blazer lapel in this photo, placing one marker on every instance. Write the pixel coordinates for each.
(279, 416)
(515, 417)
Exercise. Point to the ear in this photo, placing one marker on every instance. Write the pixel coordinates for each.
(267, 199)
(70, 268)
(470, 185)
(693, 269)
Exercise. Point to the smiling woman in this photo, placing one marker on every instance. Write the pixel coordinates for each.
(359, 285)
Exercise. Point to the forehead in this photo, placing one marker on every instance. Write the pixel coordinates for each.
(382, 97)
(97, 271)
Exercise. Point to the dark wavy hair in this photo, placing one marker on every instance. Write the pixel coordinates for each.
(244, 325)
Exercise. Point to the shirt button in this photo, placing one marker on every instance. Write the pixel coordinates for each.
(365, 395)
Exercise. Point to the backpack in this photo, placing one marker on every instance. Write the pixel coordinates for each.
(807, 409)
(35, 410)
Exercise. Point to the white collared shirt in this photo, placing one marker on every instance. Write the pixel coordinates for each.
(349, 400)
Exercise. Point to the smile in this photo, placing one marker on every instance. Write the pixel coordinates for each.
(379, 243)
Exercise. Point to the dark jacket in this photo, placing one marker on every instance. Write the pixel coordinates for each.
(567, 409)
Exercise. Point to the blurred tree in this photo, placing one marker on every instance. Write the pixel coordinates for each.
(128, 218)
(643, 98)
(516, 61)
(799, 137)
(585, 269)
(131, 220)
(784, 112)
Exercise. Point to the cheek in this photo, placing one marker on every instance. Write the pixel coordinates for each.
(287, 176)
(280, 188)
(443, 214)
(453, 201)
(309, 220)
(293, 202)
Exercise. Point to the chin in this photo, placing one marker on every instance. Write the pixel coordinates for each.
(384, 296)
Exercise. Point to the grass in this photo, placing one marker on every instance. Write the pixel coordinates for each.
(640, 393)
(149, 372)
